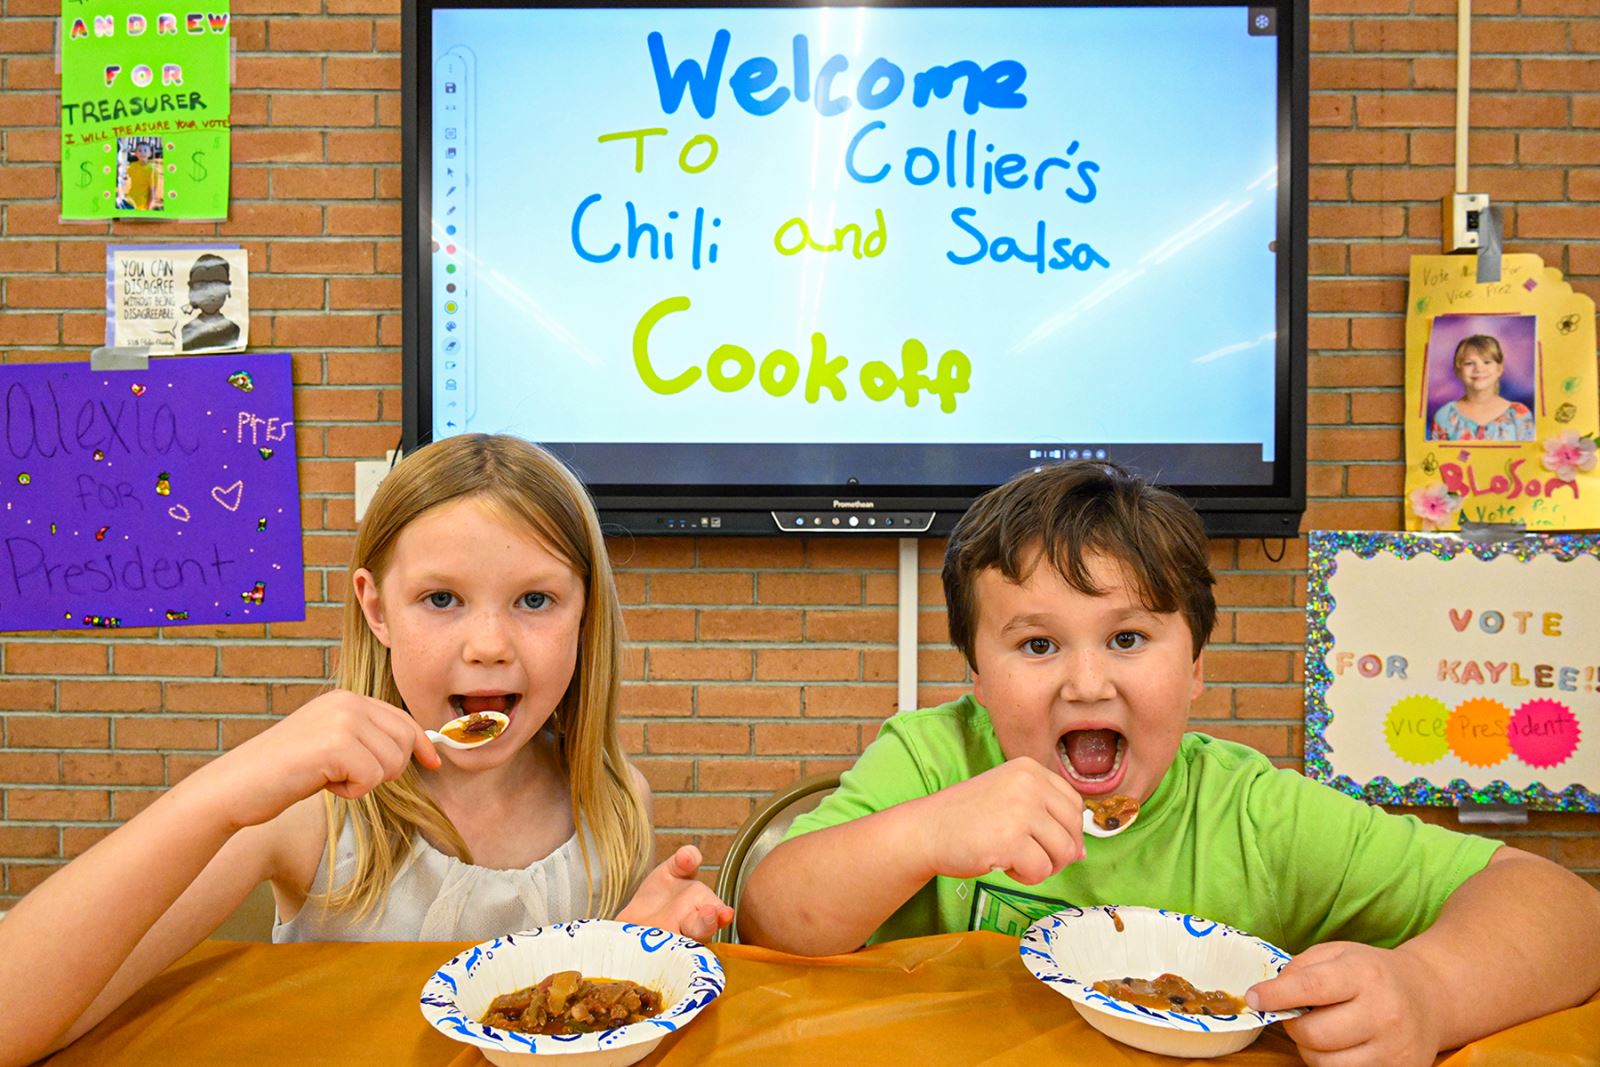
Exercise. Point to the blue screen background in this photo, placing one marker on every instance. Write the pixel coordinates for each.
(1172, 341)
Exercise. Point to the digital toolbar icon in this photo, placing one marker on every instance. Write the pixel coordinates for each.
(449, 87)
(449, 133)
(449, 383)
(450, 346)
(450, 153)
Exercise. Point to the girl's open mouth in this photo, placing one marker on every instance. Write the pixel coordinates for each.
(471, 703)
(1093, 760)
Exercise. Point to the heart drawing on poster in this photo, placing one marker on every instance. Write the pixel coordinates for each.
(222, 495)
(179, 512)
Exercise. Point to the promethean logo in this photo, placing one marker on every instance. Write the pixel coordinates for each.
(853, 505)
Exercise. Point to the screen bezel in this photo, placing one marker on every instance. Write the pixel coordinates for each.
(1273, 510)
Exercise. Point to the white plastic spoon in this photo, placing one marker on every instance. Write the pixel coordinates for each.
(1094, 829)
(439, 737)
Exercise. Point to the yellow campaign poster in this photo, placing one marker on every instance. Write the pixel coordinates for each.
(1502, 401)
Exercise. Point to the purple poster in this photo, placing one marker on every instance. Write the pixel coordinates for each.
(160, 497)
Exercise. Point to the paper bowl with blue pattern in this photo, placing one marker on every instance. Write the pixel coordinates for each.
(1074, 948)
(684, 972)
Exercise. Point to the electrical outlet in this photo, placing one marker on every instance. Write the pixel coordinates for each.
(369, 472)
(1462, 224)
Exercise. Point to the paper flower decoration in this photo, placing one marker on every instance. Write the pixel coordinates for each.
(1435, 505)
(1567, 454)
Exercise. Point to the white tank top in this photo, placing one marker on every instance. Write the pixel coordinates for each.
(435, 897)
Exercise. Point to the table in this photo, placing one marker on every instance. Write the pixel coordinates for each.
(953, 999)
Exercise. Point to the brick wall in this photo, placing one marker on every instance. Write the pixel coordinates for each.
(754, 661)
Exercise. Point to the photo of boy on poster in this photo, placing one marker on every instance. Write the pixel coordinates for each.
(140, 186)
(1481, 378)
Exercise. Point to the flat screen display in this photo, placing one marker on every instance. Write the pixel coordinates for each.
(741, 262)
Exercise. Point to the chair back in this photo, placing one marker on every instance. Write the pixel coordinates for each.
(761, 833)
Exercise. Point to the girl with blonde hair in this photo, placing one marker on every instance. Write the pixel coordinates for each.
(1481, 413)
(479, 583)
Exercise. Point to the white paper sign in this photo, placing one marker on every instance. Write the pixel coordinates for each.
(1438, 670)
(178, 298)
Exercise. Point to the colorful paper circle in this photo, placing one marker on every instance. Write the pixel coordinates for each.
(1477, 732)
(1544, 733)
(1415, 729)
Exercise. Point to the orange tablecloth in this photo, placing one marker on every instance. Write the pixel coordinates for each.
(954, 999)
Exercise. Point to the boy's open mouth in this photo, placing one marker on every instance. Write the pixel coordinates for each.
(1093, 756)
(472, 703)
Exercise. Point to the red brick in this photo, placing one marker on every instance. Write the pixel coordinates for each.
(670, 737)
(1547, 36)
(76, 840)
(83, 768)
(57, 731)
(753, 624)
(805, 738)
(822, 664)
(56, 659)
(666, 775)
(300, 182)
(850, 701)
(273, 661)
(748, 701)
(33, 768)
(365, 146)
(320, 35)
(363, 72)
(809, 588)
(1360, 73)
(167, 733)
(1408, 35)
(702, 811)
(1484, 148)
(880, 627)
(110, 696)
(746, 775)
(1557, 222)
(1253, 590)
(22, 877)
(276, 72)
(363, 219)
(74, 805)
(1268, 702)
(678, 664)
(700, 587)
(1488, 72)
(659, 624)
(217, 697)
(33, 842)
(186, 660)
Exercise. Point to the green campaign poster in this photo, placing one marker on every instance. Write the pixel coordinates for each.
(144, 110)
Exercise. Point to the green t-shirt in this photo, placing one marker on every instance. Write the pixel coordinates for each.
(1225, 835)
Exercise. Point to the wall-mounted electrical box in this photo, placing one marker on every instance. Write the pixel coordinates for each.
(369, 472)
(1464, 219)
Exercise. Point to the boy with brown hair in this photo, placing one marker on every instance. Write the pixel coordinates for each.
(1081, 598)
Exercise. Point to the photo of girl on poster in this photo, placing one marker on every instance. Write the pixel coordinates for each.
(1481, 378)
